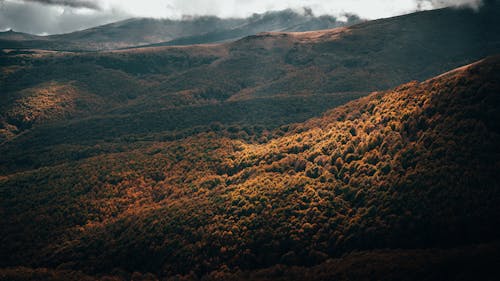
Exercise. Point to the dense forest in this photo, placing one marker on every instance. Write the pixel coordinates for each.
(339, 154)
(414, 167)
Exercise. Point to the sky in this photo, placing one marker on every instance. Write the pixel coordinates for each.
(60, 16)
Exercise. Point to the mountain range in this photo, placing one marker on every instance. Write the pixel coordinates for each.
(190, 30)
(361, 152)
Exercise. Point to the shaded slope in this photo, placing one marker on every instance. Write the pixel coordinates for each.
(285, 21)
(414, 167)
(463, 263)
(143, 31)
(365, 57)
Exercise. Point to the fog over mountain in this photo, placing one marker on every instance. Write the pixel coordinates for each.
(189, 30)
(61, 16)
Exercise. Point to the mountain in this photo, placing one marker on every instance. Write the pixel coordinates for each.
(259, 82)
(144, 31)
(286, 21)
(415, 167)
(279, 156)
(18, 36)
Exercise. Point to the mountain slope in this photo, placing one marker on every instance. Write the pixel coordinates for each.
(18, 36)
(286, 21)
(257, 83)
(143, 31)
(413, 167)
(464, 263)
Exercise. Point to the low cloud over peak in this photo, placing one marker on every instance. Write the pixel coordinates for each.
(59, 16)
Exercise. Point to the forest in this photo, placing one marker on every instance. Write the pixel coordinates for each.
(413, 167)
(367, 152)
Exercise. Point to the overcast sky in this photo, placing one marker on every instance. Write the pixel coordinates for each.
(60, 16)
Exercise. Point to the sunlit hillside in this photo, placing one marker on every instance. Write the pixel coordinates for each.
(364, 152)
(413, 167)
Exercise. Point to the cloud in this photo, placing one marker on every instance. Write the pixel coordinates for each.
(89, 4)
(57, 16)
(38, 18)
(434, 4)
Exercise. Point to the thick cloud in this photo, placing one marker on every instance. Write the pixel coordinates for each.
(58, 16)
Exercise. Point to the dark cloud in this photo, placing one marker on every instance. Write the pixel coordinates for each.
(34, 18)
(70, 3)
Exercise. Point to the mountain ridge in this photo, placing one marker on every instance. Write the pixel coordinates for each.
(143, 31)
(233, 83)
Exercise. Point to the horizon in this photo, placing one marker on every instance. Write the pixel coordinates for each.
(303, 12)
(49, 17)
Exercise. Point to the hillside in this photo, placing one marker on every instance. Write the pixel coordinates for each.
(61, 106)
(11, 35)
(362, 152)
(465, 263)
(144, 31)
(413, 167)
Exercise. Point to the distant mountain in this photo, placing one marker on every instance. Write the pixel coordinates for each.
(305, 71)
(144, 31)
(11, 35)
(286, 21)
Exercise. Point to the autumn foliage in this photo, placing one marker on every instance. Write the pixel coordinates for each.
(413, 167)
